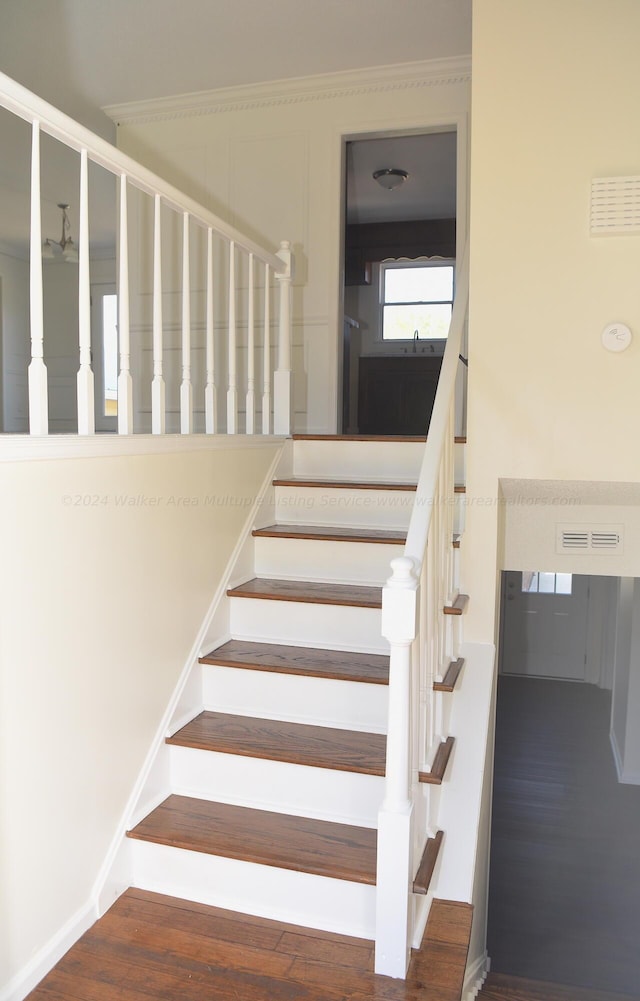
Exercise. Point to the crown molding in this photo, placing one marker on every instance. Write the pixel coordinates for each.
(325, 86)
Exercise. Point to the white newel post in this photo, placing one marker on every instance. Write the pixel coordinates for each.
(38, 397)
(282, 396)
(210, 401)
(186, 394)
(84, 379)
(393, 883)
(157, 386)
(125, 383)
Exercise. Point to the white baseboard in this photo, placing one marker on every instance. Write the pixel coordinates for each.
(475, 976)
(46, 958)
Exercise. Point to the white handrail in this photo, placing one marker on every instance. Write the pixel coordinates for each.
(412, 604)
(22, 102)
(418, 532)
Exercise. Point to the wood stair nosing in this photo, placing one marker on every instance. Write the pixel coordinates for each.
(440, 762)
(428, 863)
(458, 606)
(327, 483)
(353, 751)
(448, 683)
(359, 437)
(337, 665)
(329, 533)
(309, 592)
(301, 844)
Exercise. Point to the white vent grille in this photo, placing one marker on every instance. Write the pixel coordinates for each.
(615, 205)
(589, 538)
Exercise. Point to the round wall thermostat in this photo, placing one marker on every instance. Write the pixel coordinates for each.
(616, 337)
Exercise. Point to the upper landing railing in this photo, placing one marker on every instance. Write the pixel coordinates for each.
(243, 310)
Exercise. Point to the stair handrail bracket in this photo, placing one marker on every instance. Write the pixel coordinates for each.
(422, 582)
(264, 267)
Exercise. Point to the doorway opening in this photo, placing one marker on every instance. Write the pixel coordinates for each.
(565, 875)
(399, 251)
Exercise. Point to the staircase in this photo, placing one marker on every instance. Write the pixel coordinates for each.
(277, 783)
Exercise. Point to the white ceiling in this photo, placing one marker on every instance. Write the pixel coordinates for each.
(429, 191)
(83, 55)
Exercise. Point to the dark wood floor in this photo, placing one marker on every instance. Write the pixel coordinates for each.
(150, 946)
(564, 900)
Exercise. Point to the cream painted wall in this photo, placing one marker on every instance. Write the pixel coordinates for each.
(555, 90)
(268, 160)
(108, 568)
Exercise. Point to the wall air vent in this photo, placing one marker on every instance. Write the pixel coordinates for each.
(615, 205)
(589, 538)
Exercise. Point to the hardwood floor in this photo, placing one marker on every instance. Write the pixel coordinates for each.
(501, 987)
(151, 946)
(564, 902)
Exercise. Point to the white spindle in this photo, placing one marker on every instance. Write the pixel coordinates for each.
(186, 402)
(232, 390)
(210, 401)
(395, 818)
(282, 379)
(157, 386)
(266, 357)
(251, 347)
(38, 397)
(84, 380)
(125, 383)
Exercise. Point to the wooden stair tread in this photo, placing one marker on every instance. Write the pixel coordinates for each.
(338, 665)
(448, 683)
(427, 863)
(331, 533)
(440, 762)
(340, 484)
(276, 740)
(458, 606)
(505, 987)
(355, 595)
(321, 847)
(359, 437)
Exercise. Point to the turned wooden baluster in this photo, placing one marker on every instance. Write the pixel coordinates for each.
(157, 386)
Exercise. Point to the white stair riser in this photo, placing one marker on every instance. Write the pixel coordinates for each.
(278, 786)
(322, 701)
(344, 506)
(306, 624)
(312, 559)
(394, 460)
(280, 894)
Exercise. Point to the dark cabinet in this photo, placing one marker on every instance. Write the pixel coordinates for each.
(396, 395)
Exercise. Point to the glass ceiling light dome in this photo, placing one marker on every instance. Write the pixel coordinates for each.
(390, 177)
(64, 247)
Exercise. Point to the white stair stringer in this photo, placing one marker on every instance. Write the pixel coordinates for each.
(300, 623)
(301, 898)
(349, 705)
(322, 560)
(277, 786)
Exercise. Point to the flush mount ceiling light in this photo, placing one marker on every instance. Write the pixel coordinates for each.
(390, 177)
(64, 247)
